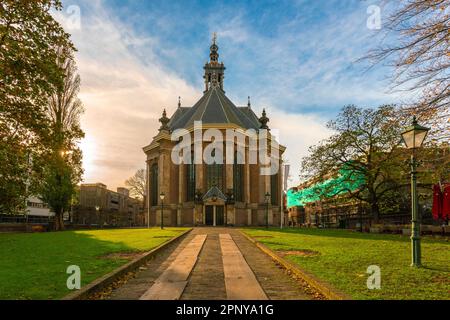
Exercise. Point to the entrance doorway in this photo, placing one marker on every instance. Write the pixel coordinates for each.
(209, 215)
(220, 221)
(214, 215)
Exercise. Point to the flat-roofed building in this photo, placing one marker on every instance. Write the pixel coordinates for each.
(99, 204)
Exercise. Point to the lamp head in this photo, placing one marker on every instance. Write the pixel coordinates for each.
(414, 135)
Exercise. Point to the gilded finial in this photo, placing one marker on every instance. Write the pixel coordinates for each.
(214, 37)
(179, 102)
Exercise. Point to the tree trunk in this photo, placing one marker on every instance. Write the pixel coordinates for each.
(59, 221)
(374, 206)
(375, 211)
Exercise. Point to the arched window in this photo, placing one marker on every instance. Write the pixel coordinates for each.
(238, 179)
(190, 180)
(274, 190)
(154, 185)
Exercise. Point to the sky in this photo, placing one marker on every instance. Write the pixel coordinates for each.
(297, 59)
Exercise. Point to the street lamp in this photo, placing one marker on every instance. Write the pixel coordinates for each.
(267, 198)
(162, 196)
(97, 210)
(148, 215)
(229, 201)
(198, 196)
(413, 137)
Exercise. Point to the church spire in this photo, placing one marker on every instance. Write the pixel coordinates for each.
(214, 50)
(214, 67)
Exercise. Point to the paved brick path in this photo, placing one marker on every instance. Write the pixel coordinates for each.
(207, 279)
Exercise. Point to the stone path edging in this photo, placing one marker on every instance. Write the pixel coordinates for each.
(240, 281)
(325, 289)
(172, 282)
(109, 278)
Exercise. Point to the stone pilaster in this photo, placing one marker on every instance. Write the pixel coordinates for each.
(181, 192)
(229, 172)
(247, 197)
(147, 195)
(228, 177)
(164, 180)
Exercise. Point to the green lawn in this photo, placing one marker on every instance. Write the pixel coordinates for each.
(343, 258)
(33, 266)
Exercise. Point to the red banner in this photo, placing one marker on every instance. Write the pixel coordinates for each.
(437, 202)
(446, 203)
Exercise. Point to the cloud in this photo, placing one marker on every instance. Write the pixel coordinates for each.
(306, 61)
(123, 95)
(297, 133)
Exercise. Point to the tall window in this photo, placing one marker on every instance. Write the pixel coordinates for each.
(214, 176)
(238, 180)
(190, 181)
(154, 185)
(274, 189)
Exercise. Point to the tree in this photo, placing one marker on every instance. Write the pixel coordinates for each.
(420, 57)
(64, 169)
(58, 186)
(136, 184)
(29, 73)
(13, 177)
(435, 163)
(366, 143)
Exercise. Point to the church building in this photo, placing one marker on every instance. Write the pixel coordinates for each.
(200, 193)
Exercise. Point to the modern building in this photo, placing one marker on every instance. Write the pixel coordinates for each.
(36, 212)
(37, 208)
(197, 191)
(100, 206)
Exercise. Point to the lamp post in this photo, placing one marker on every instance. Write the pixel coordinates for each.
(162, 196)
(97, 210)
(229, 201)
(413, 137)
(148, 215)
(267, 198)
